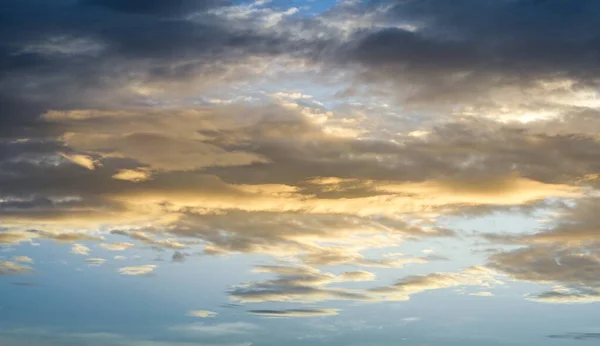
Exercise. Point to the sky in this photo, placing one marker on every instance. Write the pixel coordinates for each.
(299, 172)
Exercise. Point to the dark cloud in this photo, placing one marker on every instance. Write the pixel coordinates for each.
(95, 53)
(446, 53)
(157, 7)
(295, 312)
(178, 257)
(575, 336)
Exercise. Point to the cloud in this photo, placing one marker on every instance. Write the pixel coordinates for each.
(80, 249)
(575, 336)
(145, 238)
(482, 294)
(476, 56)
(443, 110)
(201, 313)
(137, 270)
(178, 257)
(95, 262)
(82, 160)
(357, 276)
(296, 284)
(295, 312)
(219, 329)
(8, 268)
(404, 288)
(12, 237)
(23, 259)
(132, 175)
(117, 246)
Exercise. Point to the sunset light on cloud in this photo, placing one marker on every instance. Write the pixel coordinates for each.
(299, 172)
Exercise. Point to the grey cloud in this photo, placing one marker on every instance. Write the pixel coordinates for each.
(575, 336)
(94, 53)
(178, 256)
(157, 7)
(456, 53)
(295, 284)
(295, 312)
(566, 254)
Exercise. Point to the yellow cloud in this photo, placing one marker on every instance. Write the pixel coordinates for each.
(137, 270)
(202, 313)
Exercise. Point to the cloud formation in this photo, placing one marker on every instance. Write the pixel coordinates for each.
(137, 270)
(295, 312)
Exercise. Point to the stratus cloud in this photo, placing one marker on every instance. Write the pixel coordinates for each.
(308, 285)
(295, 284)
(137, 270)
(95, 262)
(202, 313)
(566, 297)
(404, 288)
(317, 312)
(147, 239)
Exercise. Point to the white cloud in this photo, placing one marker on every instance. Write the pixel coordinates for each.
(23, 259)
(137, 270)
(117, 246)
(79, 249)
(202, 313)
